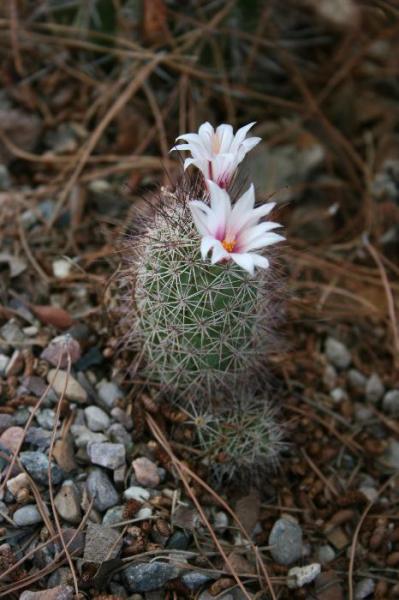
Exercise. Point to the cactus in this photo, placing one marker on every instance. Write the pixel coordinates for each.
(238, 441)
(198, 329)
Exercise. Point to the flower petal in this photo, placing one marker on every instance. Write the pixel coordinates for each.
(207, 243)
(221, 207)
(225, 135)
(245, 261)
(264, 240)
(241, 212)
(200, 217)
(250, 234)
(241, 134)
(219, 253)
(260, 261)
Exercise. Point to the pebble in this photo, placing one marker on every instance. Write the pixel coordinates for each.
(60, 349)
(39, 438)
(96, 419)
(12, 437)
(390, 403)
(179, 540)
(338, 395)
(297, 577)
(328, 587)
(27, 515)
(285, 540)
(337, 353)
(357, 380)
(144, 513)
(11, 333)
(61, 268)
(363, 413)
(146, 472)
(136, 492)
(118, 434)
(326, 554)
(110, 456)
(364, 588)
(391, 455)
(102, 543)
(74, 391)
(83, 436)
(114, 515)
(6, 421)
(36, 463)
(371, 493)
(122, 417)
(4, 360)
(17, 483)
(374, 388)
(145, 577)
(61, 592)
(194, 579)
(108, 394)
(100, 488)
(330, 377)
(46, 418)
(220, 521)
(67, 502)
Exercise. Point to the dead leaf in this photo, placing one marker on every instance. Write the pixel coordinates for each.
(247, 510)
(238, 563)
(52, 315)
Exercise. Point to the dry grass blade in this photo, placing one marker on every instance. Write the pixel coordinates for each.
(182, 468)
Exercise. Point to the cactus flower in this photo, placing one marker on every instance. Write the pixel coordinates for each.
(234, 232)
(217, 153)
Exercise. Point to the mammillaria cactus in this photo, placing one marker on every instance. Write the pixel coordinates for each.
(199, 294)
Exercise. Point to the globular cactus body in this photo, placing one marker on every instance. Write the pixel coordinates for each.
(199, 328)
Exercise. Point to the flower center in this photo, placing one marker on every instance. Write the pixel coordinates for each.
(229, 245)
(215, 143)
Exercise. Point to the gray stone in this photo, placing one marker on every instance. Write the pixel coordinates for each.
(108, 394)
(83, 436)
(390, 403)
(285, 540)
(338, 395)
(391, 455)
(4, 360)
(67, 502)
(73, 390)
(145, 577)
(6, 421)
(122, 417)
(357, 380)
(113, 515)
(11, 333)
(337, 353)
(374, 388)
(39, 438)
(96, 418)
(330, 377)
(27, 515)
(110, 456)
(61, 592)
(118, 434)
(194, 579)
(135, 492)
(179, 540)
(46, 418)
(363, 413)
(101, 489)
(5, 179)
(325, 554)
(36, 463)
(364, 588)
(102, 543)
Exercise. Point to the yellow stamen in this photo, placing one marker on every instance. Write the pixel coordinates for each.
(229, 245)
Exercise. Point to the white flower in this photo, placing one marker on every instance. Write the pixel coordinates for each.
(233, 232)
(217, 153)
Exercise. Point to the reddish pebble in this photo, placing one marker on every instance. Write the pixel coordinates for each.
(12, 437)
(146, 472)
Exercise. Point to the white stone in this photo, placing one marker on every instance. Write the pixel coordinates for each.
(96, 419)
(136, 492)
(297, 577)
(61, 268)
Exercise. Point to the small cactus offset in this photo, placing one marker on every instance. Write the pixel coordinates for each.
(240, 440)
(198, 293)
